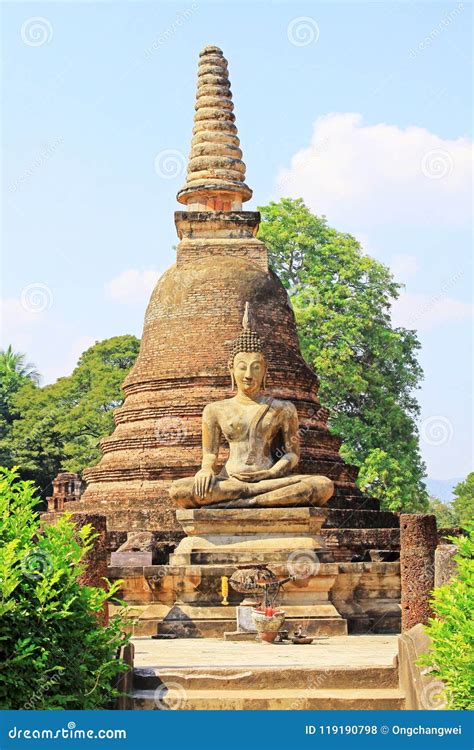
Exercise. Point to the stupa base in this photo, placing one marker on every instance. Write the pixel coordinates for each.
(184, 599)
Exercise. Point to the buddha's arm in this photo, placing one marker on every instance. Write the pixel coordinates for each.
(291, 443)
(211, 437)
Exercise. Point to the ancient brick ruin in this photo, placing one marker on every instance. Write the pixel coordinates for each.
(193, 315)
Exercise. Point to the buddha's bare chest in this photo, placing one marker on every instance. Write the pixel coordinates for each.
(240, 424)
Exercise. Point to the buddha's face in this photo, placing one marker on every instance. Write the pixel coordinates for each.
(249, 370)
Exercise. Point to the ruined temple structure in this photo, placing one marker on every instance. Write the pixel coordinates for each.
(194, 314)
(67, 488)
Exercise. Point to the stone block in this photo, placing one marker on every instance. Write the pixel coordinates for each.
(131, 559)
(445, 564)
(244, 620)
(422, 690)
(249, 521)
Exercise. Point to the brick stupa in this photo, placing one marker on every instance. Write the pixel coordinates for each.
(194, 313)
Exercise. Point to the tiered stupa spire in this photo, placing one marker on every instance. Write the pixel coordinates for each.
(216, 173)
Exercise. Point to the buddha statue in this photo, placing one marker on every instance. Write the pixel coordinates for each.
(262, 433)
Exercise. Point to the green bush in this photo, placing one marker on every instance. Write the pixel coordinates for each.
(451, 657)
(54, 652)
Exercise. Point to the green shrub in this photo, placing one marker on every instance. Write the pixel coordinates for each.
(54, 652)
(451, 657)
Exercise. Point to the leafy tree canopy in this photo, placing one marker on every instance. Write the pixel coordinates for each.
(463, 502)
(59, 426)
(446, 517)
(369, 369)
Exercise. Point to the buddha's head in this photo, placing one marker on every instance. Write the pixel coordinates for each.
(247, 363)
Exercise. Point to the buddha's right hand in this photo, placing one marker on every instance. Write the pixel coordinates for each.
(203, 482)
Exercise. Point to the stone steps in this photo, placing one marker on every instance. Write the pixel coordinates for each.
(344, 672)
(251, 678)
(288, 699)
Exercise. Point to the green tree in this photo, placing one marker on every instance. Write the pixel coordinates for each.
(446, 517)
(463, 502)
(369, 369)
(59, 426)
(54, 651)
(14, 373)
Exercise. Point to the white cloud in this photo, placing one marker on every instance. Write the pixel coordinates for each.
(404, 267)
(132, 287)
(18, 324)
(424, 312)
(362, 176)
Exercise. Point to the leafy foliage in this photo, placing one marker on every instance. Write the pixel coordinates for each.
(446, 516)
(14, 373)
(463, 503)
(54, 652)
(59, 426)
(451, 656)
(368, 369)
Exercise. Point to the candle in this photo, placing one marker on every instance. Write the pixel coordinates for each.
(224, 590)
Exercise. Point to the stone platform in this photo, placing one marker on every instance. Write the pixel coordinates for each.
(365, 595)
(250, 535)
(355, 672)
(288, 539)
(329, 596)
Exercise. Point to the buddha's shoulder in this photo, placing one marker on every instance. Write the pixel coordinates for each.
(216, 407)
(286, 408)
(276, 404)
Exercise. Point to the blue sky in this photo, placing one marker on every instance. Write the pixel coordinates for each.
(363, 109)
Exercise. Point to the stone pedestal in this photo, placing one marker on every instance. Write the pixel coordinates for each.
(287, 539)
(241, 536)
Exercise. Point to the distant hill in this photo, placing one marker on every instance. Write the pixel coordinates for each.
(443, 488)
